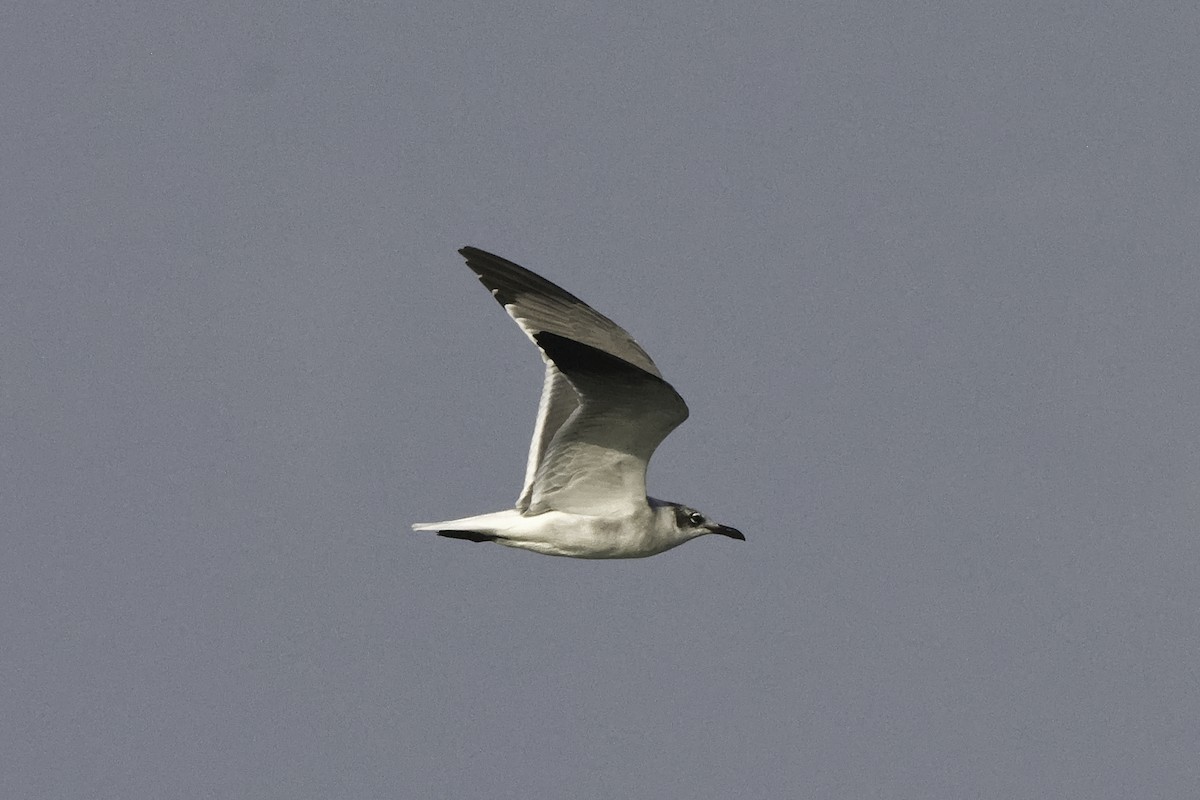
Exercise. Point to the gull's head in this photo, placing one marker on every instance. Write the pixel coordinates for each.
(684, 523)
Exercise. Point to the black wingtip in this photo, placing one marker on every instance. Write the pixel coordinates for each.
(482, 259)
(508, 280)
(470, 536)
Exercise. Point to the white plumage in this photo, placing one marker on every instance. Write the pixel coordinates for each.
(604, 409)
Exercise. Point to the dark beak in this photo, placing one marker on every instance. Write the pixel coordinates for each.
(732, 533)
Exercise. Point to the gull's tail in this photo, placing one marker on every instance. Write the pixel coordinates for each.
(481, 528)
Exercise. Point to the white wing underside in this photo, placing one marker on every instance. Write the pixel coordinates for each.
(588, 455)
(558, 402)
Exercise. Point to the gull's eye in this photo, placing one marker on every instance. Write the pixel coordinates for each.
(696, 518)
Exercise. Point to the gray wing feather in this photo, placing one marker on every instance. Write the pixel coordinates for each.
(539, 306)
(596, 460)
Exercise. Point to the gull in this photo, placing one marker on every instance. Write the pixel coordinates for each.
(604, 409)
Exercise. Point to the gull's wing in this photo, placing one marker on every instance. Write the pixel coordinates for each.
(596, 461)
(540, 306)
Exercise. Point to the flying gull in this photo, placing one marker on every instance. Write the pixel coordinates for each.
(604, 409)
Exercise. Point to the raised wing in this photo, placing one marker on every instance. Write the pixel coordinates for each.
(539, 306)
(595, 463)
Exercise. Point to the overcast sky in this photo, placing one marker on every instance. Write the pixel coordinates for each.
(926, 274)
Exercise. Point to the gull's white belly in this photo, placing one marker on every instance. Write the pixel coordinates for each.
(557, 533)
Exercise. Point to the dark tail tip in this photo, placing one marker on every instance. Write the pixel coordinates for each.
(470, 536)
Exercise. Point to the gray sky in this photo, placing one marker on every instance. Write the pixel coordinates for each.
(925, 273)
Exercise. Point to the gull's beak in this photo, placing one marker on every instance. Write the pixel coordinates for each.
(732, 533)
